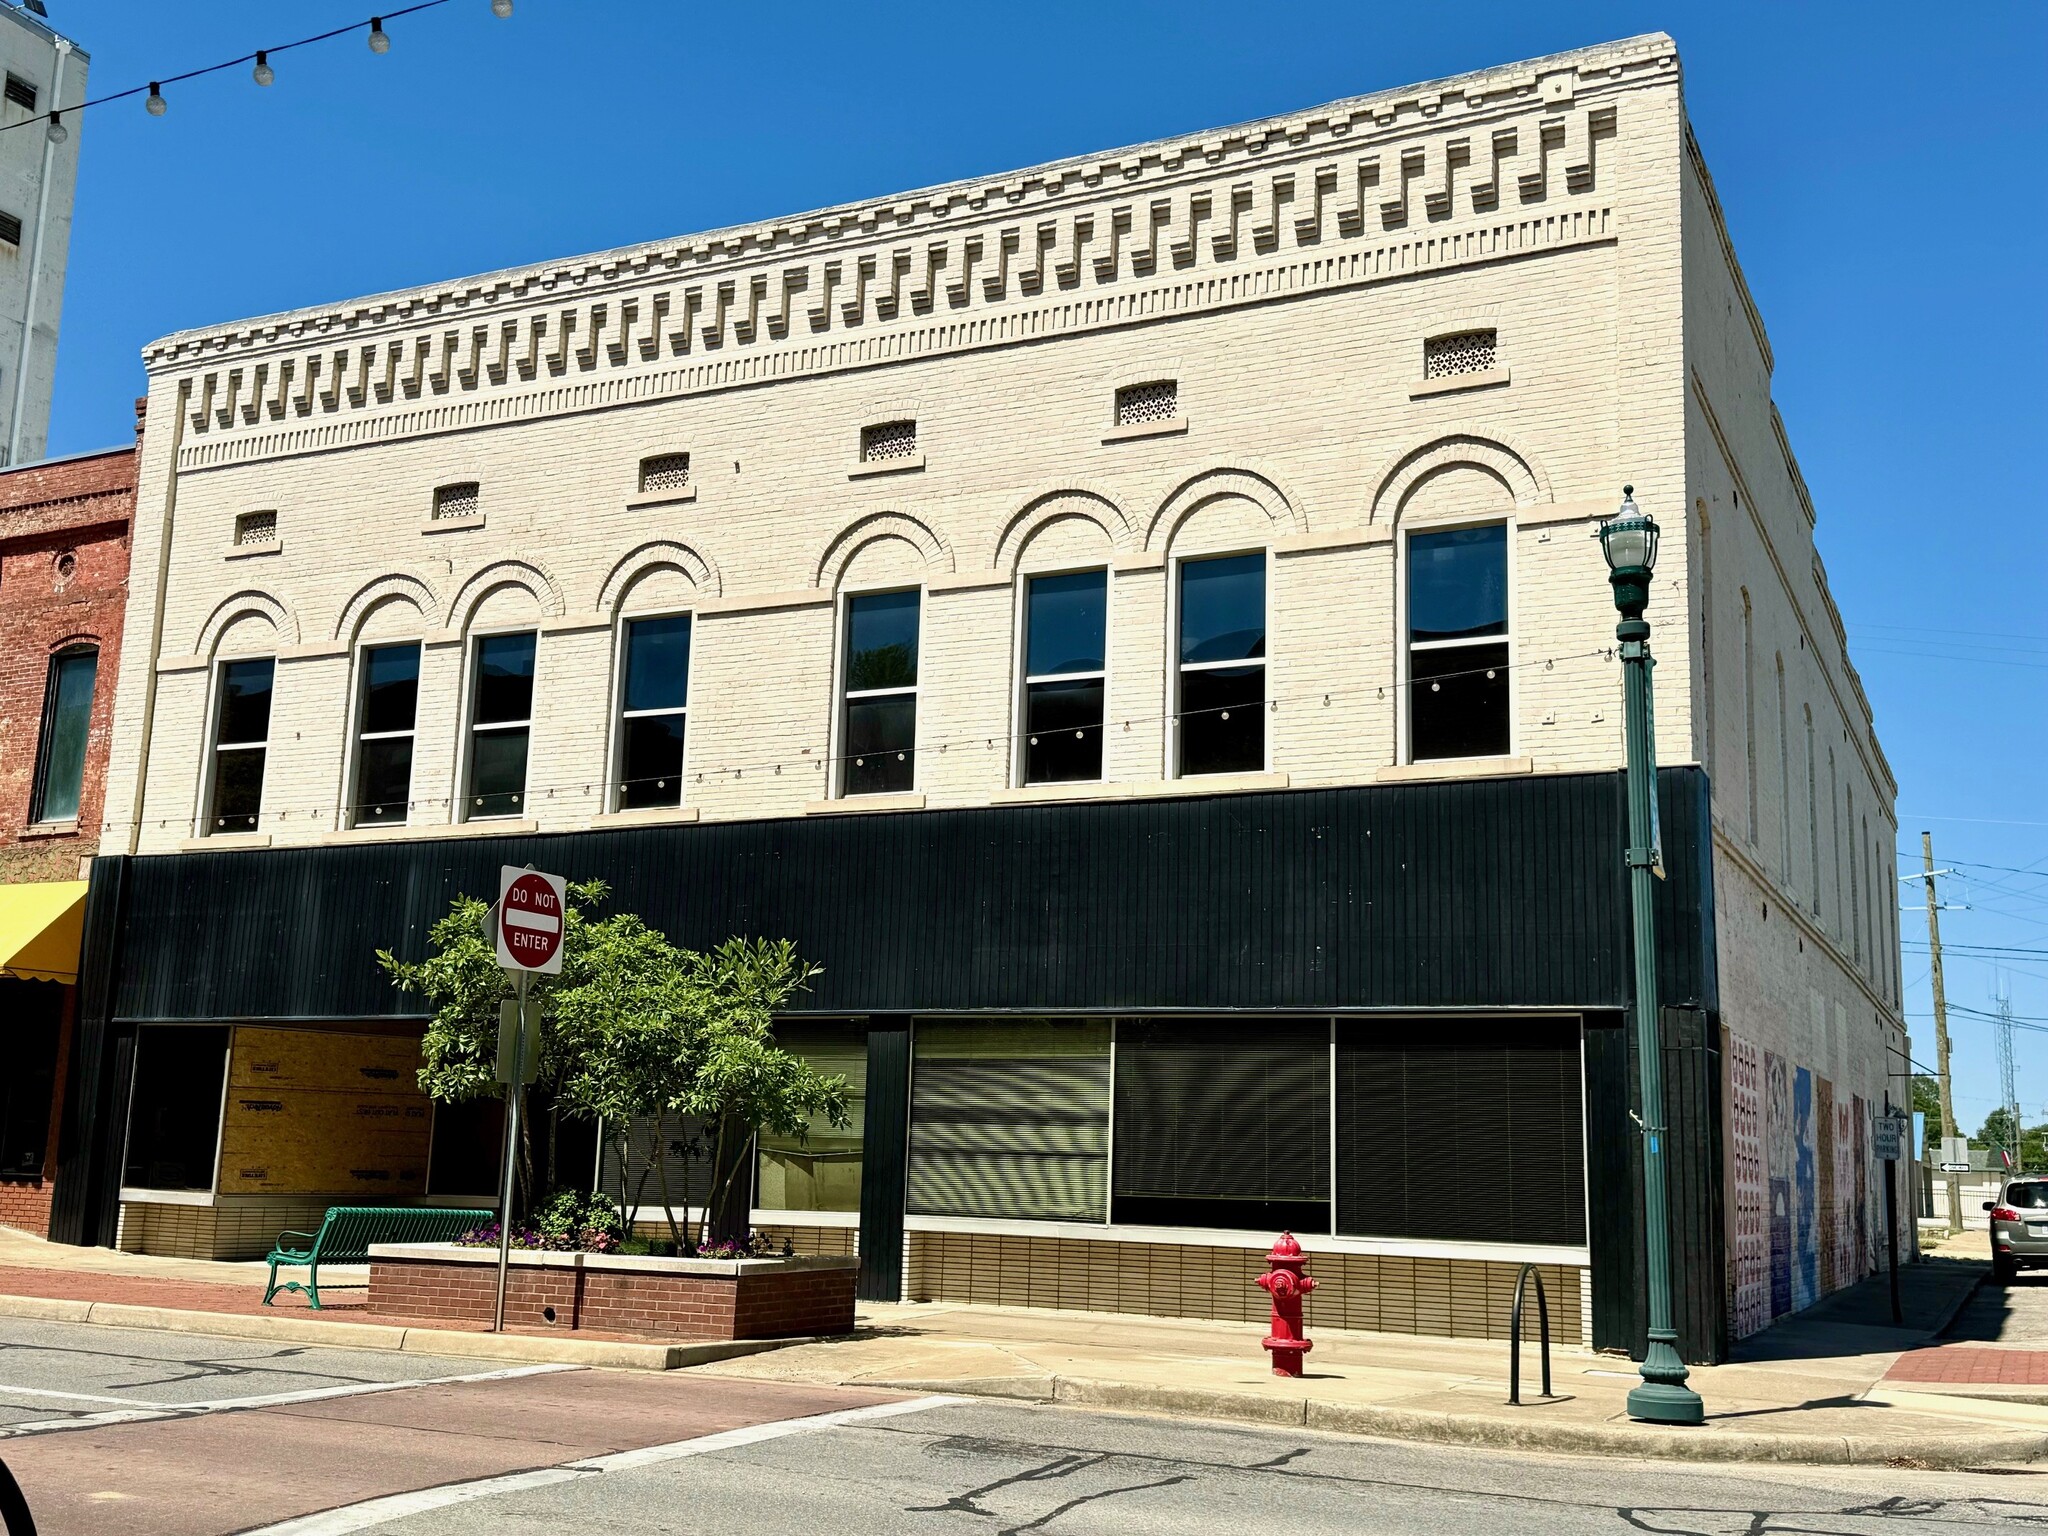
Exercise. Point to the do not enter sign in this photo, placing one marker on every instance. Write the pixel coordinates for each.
(529, 920)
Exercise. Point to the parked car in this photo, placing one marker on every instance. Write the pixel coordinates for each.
(2019, 1229)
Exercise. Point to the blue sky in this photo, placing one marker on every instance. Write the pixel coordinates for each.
(1879, 165)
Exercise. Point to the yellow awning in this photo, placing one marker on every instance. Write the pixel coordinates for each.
(41, 926)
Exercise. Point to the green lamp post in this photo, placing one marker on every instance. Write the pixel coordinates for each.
(1629, 541)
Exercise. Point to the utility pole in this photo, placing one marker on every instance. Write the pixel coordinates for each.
(2008, 1079)
(1948, 1112)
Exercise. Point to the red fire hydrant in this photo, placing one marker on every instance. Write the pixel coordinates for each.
(1287, 1285)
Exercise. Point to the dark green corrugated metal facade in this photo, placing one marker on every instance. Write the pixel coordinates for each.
(1491, 894)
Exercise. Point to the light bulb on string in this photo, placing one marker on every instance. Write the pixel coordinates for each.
(380, 40)
(57, 131)
(262, 74)
(156, 104)
(501, 8)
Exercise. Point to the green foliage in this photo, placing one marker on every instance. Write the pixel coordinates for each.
(1927, 1102)
(634, 1029)
(1997, 1134)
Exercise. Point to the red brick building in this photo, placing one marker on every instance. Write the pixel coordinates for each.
(64, 532)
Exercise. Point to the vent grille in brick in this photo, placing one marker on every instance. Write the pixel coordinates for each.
(665, 472)
(256, 528)
(456, 500)
(888, 440)
(1445, 357)
(1138, 404)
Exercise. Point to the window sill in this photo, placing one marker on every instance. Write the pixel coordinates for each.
(452, 524)
(666, 499)
(251, 551)
(166, 1196)
(1454, 768)
(1173, 428)
(221, 842)
(903, 466)
(647, 816)
(397, 832)
(47, 829)
(862, 804)
(1212, 784)
(1458, 382)
(1071, 789)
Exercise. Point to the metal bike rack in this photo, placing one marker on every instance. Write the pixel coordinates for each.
(1515, 1334)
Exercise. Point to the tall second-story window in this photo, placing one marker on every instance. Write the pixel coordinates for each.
(1222, 661)
(500, 725)
(1065, 627)
(241, 743)
(881, 693)
(1459, 698)
(653, 709)
(385, 717)
(67, 718)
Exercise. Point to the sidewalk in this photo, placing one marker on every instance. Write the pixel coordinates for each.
(1838, 1383)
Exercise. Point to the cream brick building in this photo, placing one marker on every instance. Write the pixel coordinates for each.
(1305, 343)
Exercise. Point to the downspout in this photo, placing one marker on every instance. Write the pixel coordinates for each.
(61, 55)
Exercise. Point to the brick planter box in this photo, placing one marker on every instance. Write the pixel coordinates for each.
(610, 1293)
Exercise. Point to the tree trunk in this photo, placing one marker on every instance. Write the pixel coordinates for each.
(661, 1169)
(554, 1125)
(525, 1180)
(732, 1182)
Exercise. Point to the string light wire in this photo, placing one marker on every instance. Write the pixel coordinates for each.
(154, 89)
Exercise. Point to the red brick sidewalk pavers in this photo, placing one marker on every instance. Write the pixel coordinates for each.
(1972, 1365)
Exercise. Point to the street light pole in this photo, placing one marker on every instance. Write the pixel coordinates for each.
(1629, 541)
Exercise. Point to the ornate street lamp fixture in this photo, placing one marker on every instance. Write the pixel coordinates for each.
(1629, 541)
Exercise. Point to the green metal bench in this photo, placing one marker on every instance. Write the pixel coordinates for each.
(345, 1238)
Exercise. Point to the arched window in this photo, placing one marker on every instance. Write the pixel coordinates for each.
(1784, 782)
(1749, 708)
(67, 722)
(1812, 818)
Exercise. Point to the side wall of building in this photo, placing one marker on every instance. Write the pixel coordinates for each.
(1804, 822)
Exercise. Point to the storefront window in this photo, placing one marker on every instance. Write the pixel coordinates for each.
(1010, 1118)
(35, 1018)
(1429, 1111)
(821, 1171)
(1223, 1123)
(174, 1115)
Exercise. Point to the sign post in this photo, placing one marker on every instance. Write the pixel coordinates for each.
(527, 925)
(1890, 1145)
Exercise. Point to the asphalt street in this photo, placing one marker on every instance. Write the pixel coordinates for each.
(174, 1435)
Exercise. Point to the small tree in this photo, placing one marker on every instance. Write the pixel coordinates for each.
(633, 1030)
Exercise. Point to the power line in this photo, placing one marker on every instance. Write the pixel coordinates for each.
(260, 58)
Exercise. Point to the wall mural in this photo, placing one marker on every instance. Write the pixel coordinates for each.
(1805, 1194)
(1824, 1179)
(1778, 1163)
(1749, 1189)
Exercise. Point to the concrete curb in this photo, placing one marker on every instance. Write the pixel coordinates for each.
(1944, 1452)
(613, 1354)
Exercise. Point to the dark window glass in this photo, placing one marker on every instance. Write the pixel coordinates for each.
(651, 761)
(35, 1016)
(383, 779)
(501, 725)
(881, 641)
(1458, 702)
(240, 730)
(497, 773)
(174, 1113)
(504, 679)
(2027, 1197)
(658, 663)
(67, 720)
(244, 702)
(1223, 609)
(1065, 622)
(1431, 1110)
(881, 692)
(462, 1157)
(391, 688)
(1223, 1123)
(820, 1170)
(1458, 584)
(1063, 731)
(1223, 720)
(881, 740)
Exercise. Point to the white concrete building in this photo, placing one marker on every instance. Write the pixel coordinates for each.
(1245, 480)
(45, 73)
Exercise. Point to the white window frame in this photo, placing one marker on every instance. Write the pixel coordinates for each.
(1175, 668)
(1404, 648)
(210, 768)
(615, 787)
(137, 1194)
(473, 646)
(1020, 660)
(842, 609)
(351, 779)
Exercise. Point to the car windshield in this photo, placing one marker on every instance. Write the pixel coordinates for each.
(2027, 1197)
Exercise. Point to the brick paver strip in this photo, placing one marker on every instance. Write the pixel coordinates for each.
(1973, 1365)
